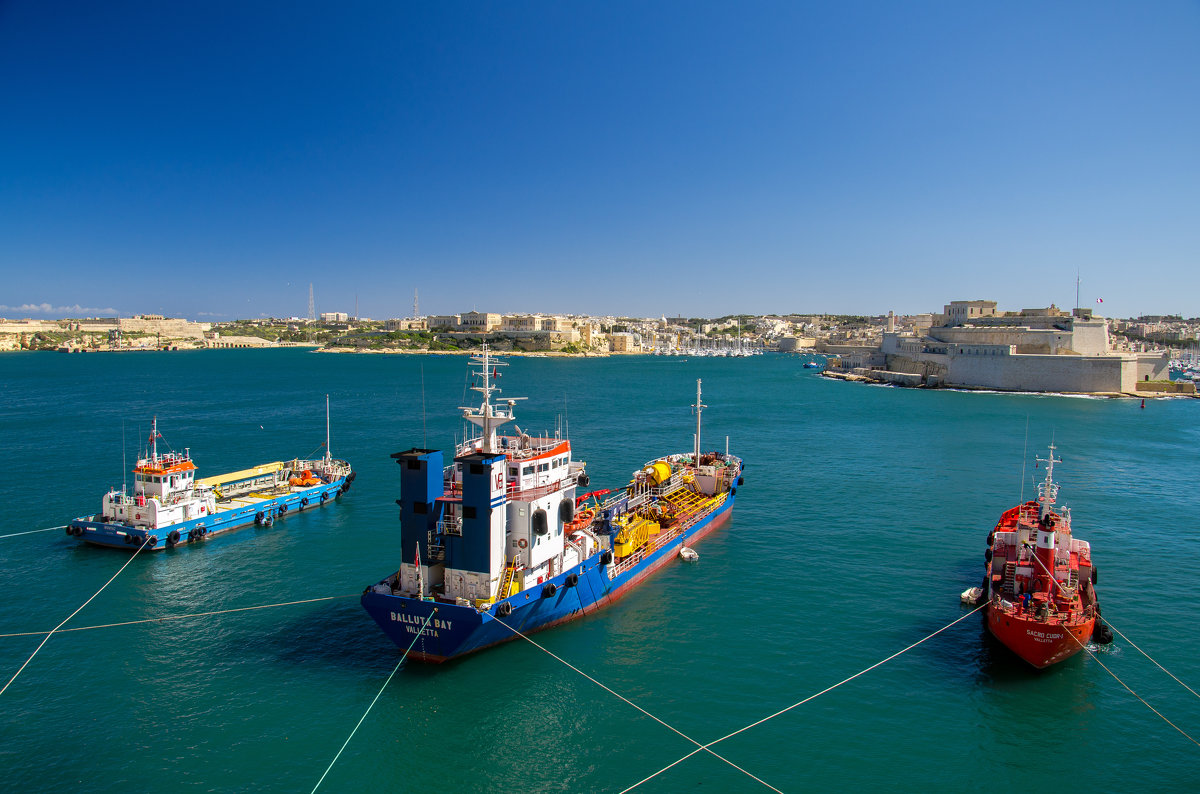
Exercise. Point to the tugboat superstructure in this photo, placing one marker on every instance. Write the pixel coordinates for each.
(1040, 583)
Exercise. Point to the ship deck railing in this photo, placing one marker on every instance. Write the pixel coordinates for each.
(682, 523)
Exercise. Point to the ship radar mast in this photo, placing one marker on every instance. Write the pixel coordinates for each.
(1048, 488)
(328, 454)
(488, 417)
(154, 440)
(698, 407)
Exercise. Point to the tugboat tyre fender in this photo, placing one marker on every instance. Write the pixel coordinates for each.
(571, 580)
(173, 538)
(258, 517)
(741, 480)
(991, 538)
(606, 558)
(583, 480)
(153, 541)
(549, 590)
(733, 491)
(282, 509)
(987, 554)
(1095, 575)
(504, 610)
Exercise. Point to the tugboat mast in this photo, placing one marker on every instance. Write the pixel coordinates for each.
(698, 407)
(1047, 489)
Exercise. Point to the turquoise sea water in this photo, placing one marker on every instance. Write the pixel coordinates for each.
(863, 516)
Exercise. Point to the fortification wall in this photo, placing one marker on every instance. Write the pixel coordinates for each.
(1044, 373)
(170, 327)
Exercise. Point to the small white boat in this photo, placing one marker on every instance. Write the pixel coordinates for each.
(688, 553)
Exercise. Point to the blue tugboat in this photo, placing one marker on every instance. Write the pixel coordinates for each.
(498, 542)
(169, 506)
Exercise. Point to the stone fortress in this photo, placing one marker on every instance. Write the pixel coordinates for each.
(972, 345)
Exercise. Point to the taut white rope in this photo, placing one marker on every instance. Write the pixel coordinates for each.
(377, 694)
(73, 614)
(699, 746)
(807, 699)
(180, 617)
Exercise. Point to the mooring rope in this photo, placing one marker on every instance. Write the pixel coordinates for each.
(618, 695)
(180, 617)
(32, 531)
(377, 694)
(806, 700)
(1148, 656)
(73, 614)
(1092, 654)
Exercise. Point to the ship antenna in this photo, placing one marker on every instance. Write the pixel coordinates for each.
(328, 453)
(699, 406)
(154, 438)
(124, 465)
(1024, 455)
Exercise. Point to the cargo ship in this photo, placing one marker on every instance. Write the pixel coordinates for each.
(1040, 580)
(169, 506)
(502, 541)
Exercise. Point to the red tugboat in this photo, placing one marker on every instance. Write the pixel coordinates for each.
(1040, 583)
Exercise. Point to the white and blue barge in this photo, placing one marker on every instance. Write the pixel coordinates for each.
(170, 506)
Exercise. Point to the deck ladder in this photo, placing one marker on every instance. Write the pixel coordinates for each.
(1010, 577)
(510, 570)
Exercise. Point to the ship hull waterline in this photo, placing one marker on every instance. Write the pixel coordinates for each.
(456, 631)
(121, 536)
(1039, 643)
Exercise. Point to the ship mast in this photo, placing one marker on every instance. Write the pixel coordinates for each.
(328, 454)
(488, 417)
(154, 439)
(698, 407)
(1047, 489)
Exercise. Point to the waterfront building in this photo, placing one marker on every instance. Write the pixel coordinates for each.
(972, 345)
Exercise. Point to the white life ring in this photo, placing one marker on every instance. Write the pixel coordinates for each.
(522, 543)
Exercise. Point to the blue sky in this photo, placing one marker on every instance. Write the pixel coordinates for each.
(211, 160)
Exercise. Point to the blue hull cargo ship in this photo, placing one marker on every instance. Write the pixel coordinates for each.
(169, 506)
(498, 542)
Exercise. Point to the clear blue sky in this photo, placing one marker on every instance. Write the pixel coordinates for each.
(637, 158)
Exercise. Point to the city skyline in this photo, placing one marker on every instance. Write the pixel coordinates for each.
(614, 159)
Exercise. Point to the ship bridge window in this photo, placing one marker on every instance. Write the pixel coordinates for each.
(477, 468)
(544, 467)
(527, 470)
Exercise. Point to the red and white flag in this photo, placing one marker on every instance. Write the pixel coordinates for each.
(1099, 300)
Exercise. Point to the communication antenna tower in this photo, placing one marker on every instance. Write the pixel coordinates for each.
(312, 311)
(416, 310)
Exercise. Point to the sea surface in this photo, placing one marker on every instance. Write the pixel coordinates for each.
(863, 516)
